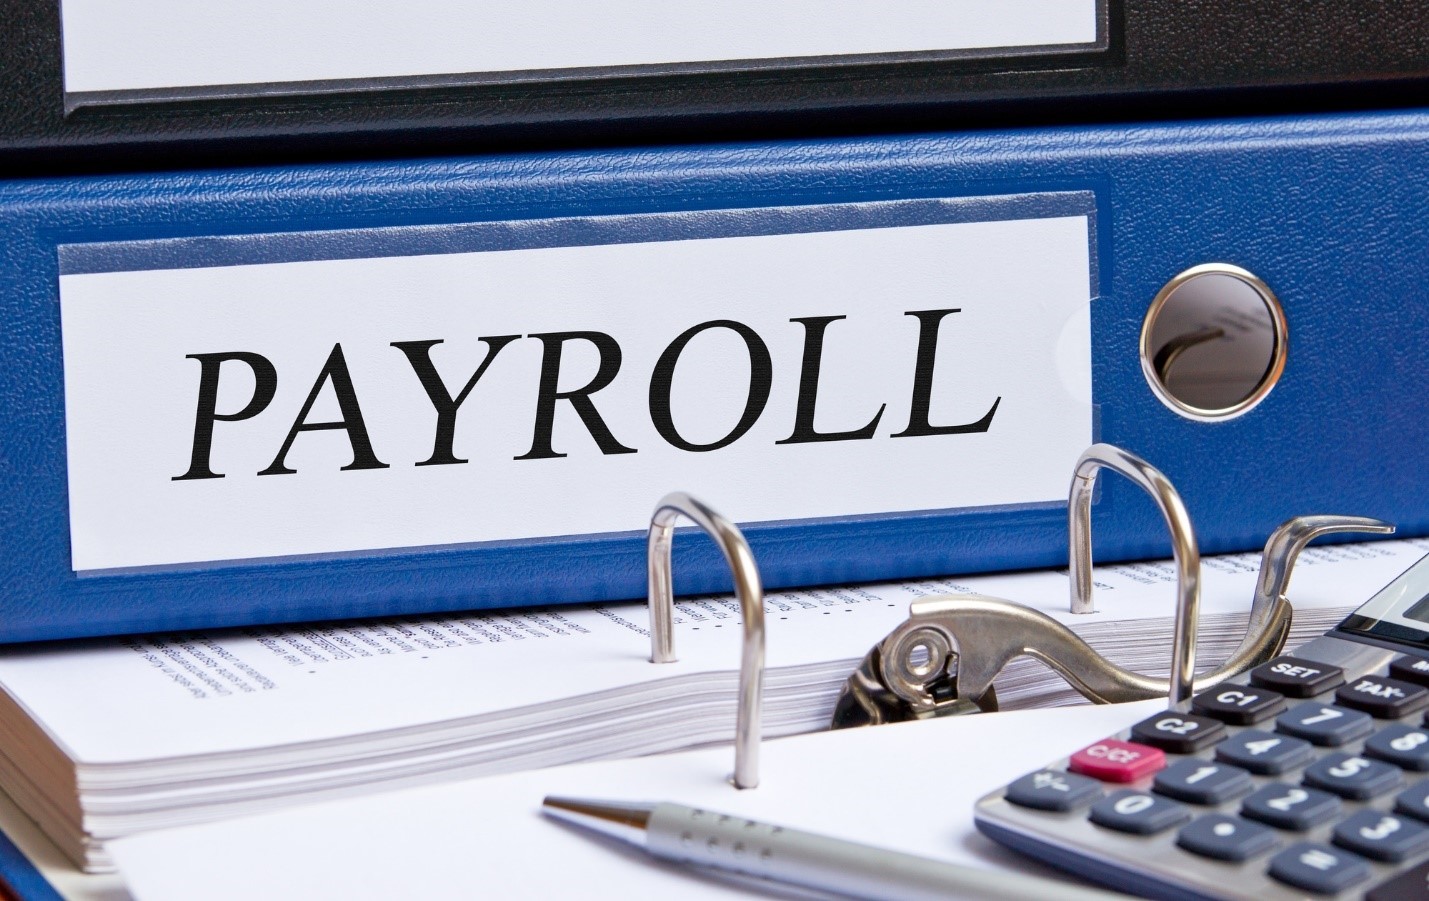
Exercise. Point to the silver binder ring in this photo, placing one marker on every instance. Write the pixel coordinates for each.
(1183, 547)
(747, 590)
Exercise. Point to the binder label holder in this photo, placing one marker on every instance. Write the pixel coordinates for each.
(250, 397)
(169, 50)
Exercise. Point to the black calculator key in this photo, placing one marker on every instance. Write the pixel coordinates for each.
(1318, 868)
(1383, 836)
(1404, 746)
(1407, 886)
(1410, 669)
(1054, 790)
(1226, 838)
(1414, 800)
(1297, 678)
(1352, 777)
(1290, 806)
(1179, 733)
(1238, 705)
(1202, 782)
(1264, 752)
(1138, 812)
(1324, 724)
(1384, 698)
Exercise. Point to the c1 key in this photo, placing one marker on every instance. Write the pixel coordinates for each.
(1238, 705)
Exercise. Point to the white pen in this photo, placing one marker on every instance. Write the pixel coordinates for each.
(688, 835)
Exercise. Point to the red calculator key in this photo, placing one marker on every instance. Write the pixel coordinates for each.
(1113, 760)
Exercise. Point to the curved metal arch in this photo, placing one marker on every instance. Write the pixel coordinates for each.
(748, 590)
(1184, 549)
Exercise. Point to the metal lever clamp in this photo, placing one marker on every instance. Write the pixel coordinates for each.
(942, 660)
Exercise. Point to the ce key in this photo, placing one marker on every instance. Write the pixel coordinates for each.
(1113, 760)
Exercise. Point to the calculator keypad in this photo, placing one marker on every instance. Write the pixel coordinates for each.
(1325, 794)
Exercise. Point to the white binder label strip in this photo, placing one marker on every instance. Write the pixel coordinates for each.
(259, 403)
(152, 45)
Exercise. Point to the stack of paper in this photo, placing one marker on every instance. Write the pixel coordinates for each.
(106, 739)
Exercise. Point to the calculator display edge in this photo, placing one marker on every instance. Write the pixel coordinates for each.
(1386, 617)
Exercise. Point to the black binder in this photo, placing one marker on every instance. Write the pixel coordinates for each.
(1151, 58)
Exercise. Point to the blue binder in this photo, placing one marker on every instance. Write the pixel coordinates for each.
(1327, 210)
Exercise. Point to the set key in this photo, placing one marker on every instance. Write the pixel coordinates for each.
(1297, 678)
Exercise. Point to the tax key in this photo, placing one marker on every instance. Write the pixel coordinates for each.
(1383, 698)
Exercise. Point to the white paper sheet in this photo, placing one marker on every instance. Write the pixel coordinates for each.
(909, 786)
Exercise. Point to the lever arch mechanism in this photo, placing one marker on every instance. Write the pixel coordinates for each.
(942, 660)
(747, 590)
(1183, 548)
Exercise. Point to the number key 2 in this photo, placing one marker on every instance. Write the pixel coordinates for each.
(1179, 733)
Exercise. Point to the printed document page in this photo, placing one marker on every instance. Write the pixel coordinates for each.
(114, 701)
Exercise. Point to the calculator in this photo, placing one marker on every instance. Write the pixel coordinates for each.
(1306, 777)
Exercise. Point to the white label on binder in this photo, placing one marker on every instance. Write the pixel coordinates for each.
(316, 406)
(153, 45)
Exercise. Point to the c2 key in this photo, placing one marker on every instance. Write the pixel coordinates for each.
(1179, 733)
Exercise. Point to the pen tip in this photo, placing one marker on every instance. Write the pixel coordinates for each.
(625, 821)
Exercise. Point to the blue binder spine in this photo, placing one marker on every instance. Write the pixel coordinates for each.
(1323, 209)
